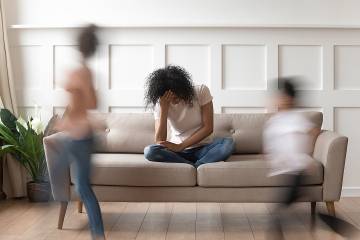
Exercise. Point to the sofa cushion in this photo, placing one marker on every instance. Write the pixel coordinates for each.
(131, 132)
(248, 171)
(134, 170)
(124, 132)
(247, 129)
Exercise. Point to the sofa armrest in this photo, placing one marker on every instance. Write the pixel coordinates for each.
(59, 170)
(330, 149)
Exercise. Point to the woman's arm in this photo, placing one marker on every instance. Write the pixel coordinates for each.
(207, 117)
(161, 128)
(161, 123)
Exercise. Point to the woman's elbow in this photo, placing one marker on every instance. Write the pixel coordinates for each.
(210, 130)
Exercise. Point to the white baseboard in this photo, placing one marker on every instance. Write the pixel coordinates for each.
(350, 192)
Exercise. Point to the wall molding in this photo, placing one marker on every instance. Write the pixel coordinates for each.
(284, 26)
(350, 192)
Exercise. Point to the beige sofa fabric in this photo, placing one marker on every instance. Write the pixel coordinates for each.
(135, 170)
(131, 132)
(245, 129)
(125, 132)
(330, 149)
(198, 194)
(59, 174)
(248, 171)
(121, 173)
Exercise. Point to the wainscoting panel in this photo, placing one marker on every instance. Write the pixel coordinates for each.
(304, 61)
(345, 119)
(347, 74)
(129, 65)
(243, 110)
(28, 71)
(194, 58)
(239, 64)
(244, 67)
(126, 109)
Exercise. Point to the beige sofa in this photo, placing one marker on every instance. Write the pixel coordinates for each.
(121, 173)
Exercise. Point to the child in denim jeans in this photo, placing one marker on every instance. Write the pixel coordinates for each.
(76, 144)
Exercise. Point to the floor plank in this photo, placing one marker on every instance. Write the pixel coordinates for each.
(208, 222)
(156, 222)
(13, 213)
(182, 222)
(129, 223)
(293, 227)
(258, 216)
(27, 219)
(321, 231)
(44, 225)
(111, 212)
(349, 210)
(21, 220)
(74, 223)
(235, 222)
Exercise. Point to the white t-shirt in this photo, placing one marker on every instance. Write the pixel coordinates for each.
(184, 120)
(287, 142)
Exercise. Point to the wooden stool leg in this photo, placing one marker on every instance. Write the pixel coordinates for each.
(80, 206)
(331, 208)
(313, 208)
(63, 207)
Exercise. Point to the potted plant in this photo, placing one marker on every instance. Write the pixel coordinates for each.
(24, 141)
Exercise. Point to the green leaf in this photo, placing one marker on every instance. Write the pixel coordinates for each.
(8, 119)
(6, 149)
(26, 146)
(6, 146)
(7, 136)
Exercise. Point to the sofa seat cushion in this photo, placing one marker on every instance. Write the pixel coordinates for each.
(134, 170)
(248, 171)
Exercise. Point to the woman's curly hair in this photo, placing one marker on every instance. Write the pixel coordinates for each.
(173, 78)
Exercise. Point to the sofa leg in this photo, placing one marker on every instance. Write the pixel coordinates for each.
(313, 208)
(331, 208)
(80, 206)
(63, 207)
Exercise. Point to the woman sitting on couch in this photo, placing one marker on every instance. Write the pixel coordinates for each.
(189, 110)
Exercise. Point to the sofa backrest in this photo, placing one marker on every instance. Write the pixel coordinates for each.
(247, 129)
(131, 132)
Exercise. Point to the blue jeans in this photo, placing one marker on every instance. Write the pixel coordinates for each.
(219, 150)
(78, 154)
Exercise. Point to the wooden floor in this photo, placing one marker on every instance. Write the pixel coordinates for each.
(21, 220)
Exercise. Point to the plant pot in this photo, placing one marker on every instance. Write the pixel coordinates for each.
(38, 191)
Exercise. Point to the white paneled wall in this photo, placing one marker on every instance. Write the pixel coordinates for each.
(129, 65)
(184, 12)
(302, 60)
(245, 62)
(237, 64)
(347, 75)
(346, 120)
(198, 64)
